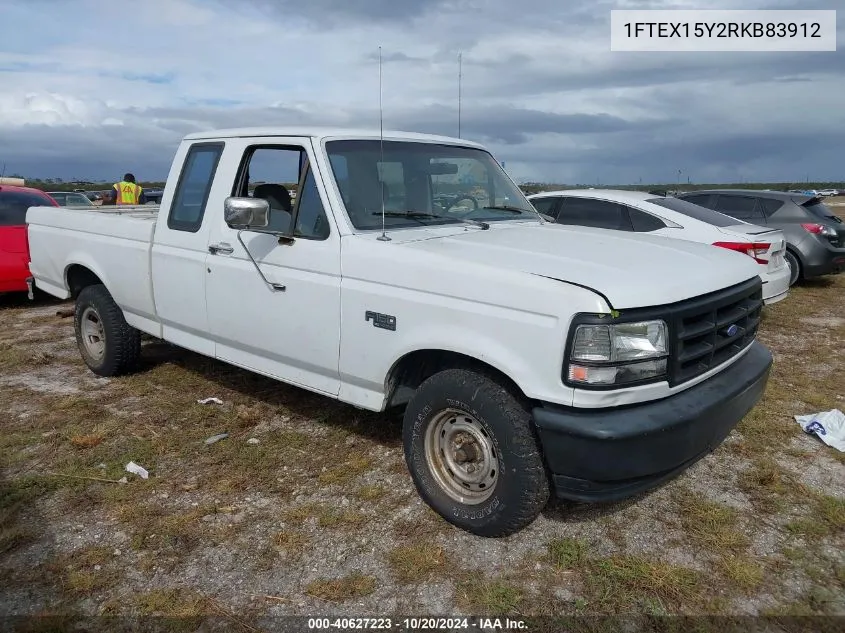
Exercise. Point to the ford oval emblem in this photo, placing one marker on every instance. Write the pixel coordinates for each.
(731, 329)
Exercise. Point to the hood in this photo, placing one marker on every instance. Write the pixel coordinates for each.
(630, 270)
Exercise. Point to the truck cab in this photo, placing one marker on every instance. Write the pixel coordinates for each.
(410, 271)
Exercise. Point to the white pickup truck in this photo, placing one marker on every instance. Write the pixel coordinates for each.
(532, 358)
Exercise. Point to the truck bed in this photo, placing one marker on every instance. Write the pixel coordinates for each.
(114, 243)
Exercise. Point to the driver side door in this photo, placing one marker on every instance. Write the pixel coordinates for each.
(291, 334)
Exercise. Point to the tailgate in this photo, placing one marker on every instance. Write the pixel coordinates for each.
(763, 235)
(13, 239)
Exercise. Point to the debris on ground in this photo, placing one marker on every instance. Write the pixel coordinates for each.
(828, 426)
(211, 400)
(217, 438)
(252, 440)
(135, 469)
(65, 313)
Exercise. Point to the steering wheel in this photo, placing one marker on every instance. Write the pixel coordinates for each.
(458, 199)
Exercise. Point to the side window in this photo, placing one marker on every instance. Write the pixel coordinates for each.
(770, 205)
(311, 220)
(188, 206)
(702, 200)
(547, 206)
(644, 222)
(740, 207)
(272, 172)
(596, 213)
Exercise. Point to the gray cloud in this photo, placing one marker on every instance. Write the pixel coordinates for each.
(541, 88)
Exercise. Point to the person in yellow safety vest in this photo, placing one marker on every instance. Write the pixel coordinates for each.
(127, 191)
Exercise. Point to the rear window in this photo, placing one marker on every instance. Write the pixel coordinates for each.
(694, 211)
(821, 210)
(13, 206)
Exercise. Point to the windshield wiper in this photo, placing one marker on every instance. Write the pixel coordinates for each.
(504, 207)
(419, 215)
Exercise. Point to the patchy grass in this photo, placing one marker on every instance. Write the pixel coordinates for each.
(341, 589)
(711, 525)
(826, 519)
(742, 571)
(490, 596)
(416, 562)
(620, 583)
(567, 553)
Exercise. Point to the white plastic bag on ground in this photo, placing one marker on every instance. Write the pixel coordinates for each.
(134, 468)
(829, 426)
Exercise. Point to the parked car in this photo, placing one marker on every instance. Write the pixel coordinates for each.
(70, 199)
(153, 196)
(14, 249)
(815, 236)
(639, 212)
(528, 357)
(828, 192)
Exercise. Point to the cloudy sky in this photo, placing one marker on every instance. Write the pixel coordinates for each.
(92, 88)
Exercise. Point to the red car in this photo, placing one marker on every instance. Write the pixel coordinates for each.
(14, 247)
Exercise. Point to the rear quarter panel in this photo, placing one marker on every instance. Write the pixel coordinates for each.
(114, 247)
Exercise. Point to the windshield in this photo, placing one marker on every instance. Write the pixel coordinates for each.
(696, 212)
(77, 198)
(422, 184)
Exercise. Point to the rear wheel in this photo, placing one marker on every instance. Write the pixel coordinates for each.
(108, 344)
(794, 267)
(473, 455)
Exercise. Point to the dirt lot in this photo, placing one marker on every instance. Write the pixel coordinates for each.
(307, 507)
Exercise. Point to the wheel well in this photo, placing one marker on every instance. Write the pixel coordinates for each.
(796, 253)
(79, 277)
(410, 371)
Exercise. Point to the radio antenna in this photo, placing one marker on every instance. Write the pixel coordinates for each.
(383, 237)
(460, 64)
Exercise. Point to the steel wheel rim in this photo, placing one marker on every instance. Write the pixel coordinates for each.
(93, 334)
(461, 457)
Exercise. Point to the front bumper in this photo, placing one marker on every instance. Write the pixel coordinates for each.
(610, 454)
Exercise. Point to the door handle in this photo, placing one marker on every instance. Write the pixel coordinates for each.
(221, 248)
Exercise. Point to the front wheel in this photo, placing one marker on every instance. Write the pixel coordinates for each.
(108, 344)
(473, 455)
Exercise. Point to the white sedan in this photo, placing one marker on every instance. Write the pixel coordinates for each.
(641, 212)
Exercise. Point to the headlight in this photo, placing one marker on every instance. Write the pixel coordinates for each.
(618, 353)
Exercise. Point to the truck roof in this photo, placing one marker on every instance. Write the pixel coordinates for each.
(321, 133)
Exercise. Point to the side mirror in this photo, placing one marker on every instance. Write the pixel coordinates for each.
(246, 213)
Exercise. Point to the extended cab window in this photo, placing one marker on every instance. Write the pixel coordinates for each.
(191, 196)
(590, 212)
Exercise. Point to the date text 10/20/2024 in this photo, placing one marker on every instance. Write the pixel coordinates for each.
(416, 624)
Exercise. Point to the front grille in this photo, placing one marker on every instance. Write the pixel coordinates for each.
(700, 339)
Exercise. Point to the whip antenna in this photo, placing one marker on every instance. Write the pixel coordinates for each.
(383, 237)
(460, 64)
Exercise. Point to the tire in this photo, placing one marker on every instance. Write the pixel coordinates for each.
(458, 404)
(794, 267)
(107, 343)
